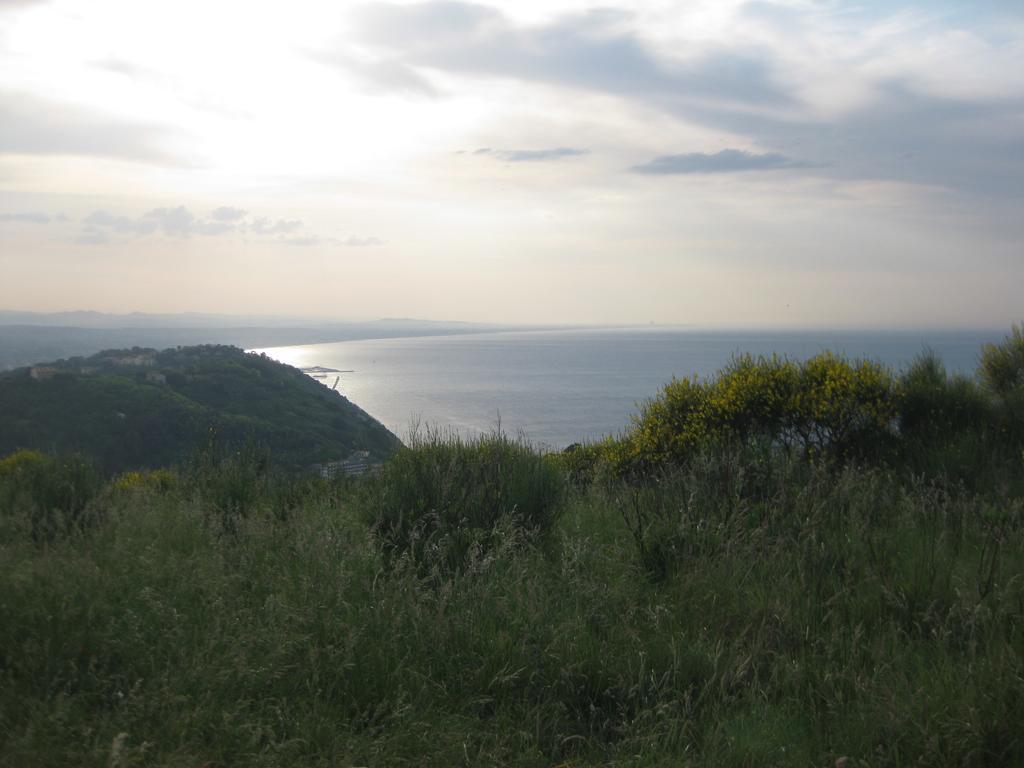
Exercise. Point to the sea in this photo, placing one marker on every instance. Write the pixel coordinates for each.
(558, 387)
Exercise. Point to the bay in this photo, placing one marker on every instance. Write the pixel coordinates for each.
(566, 386)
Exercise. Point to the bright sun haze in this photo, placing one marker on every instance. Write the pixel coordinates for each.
(717, 163)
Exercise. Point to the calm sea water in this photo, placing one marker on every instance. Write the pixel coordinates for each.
(560, 387)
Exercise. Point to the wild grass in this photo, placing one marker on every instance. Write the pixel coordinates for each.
(51, 495)
(446, 499)
(745, 610)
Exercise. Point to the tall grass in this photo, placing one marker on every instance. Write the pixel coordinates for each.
(47, 496)
(446, 498)
(748, 609)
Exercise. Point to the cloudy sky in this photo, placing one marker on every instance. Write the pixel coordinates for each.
(707, 162)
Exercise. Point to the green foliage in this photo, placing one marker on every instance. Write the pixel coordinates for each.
(684, 512)
(951, 427)
(445, 499)
(669, 427)
(934, 405)
(824, 405)
(754, 398)
(158, 480)
(1002, 365)
(1002, 372)
(137, 409)
(784, 613)
(586, 463)
(830, 408)
(232, 482)
(844, 407)
(577, 461)
(48, 496)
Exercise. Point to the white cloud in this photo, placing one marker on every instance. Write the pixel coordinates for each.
(33, 126)
(725, 161)
(361, 242)
(180, 222)
(26, 217)
(852, 96)
(227, 213)
(302, 242)
(530, 155)
(265, 226)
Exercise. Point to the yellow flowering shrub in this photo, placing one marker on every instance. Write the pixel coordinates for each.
(160, 480)
(21, 461)
(670, 425)
(837, 400)
(752, 397)
(128, 481)
(823, 404)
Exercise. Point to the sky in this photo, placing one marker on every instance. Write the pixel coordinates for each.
(714, 163)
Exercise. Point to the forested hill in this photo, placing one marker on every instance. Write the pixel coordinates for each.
(141, 408)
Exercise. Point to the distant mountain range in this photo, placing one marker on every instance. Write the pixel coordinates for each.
(91, 319)
(31, 337)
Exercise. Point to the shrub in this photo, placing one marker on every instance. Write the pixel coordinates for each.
(843, 408)
(230, 480)
(580, 462)
(1002, 365)
(825, 405)
(612, 458)
(53, 495)
(20, 462)
(753, 398)
(933, 404)
(670, 425)
(443, 497)
(1002, 372)
(158, 480)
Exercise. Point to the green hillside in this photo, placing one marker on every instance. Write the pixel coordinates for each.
(143, 408)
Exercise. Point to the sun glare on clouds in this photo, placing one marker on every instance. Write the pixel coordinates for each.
(646, 141)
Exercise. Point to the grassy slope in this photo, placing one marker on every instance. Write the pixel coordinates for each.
(804, 615)
(125, 422)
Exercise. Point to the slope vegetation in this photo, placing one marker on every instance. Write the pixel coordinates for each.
(141, 408)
